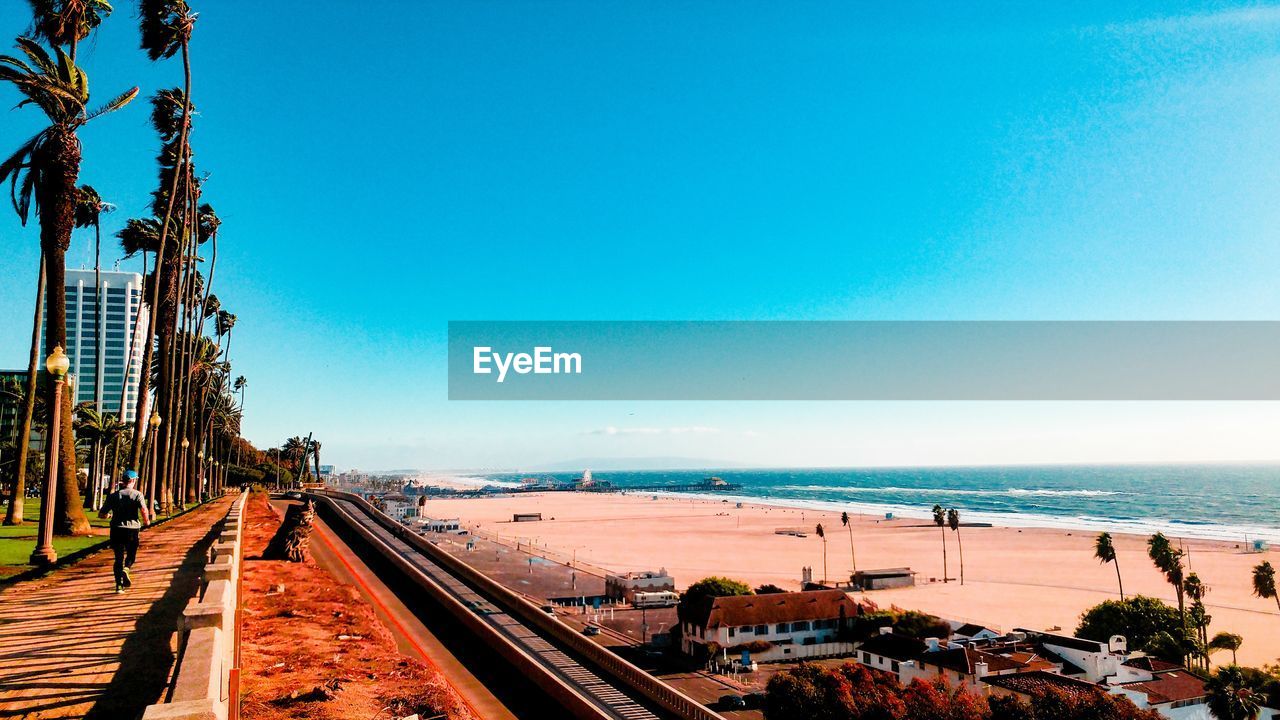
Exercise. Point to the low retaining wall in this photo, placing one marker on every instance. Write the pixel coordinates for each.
(201, 688)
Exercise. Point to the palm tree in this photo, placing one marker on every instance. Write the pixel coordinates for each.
(1168, 560)
(89, 209)
(1105, 550)
(102, 431)
(1195, 590)
(940, 519)
(18, 492)
(43, 171)
(239, 386)
(844, 520)
(1227, 641)
(295, 452)
(1264, 582)
(223, 325)
(1231, 697)
(166, 27)
(315, 456)
(822, 533)
(59, 22)
(953, 521)
(67, 22)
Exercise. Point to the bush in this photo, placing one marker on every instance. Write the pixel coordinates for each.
(1144, 621)
(709, 587)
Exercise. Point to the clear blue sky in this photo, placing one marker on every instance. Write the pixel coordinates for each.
(382, 167)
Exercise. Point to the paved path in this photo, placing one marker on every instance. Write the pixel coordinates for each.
(70, 647)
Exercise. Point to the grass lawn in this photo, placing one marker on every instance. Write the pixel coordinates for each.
(17, 542)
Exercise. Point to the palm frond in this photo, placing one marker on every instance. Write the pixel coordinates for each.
(115, 104)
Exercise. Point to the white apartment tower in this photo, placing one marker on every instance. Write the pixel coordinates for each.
(120, 352)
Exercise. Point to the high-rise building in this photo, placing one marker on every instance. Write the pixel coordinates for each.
(121, 353)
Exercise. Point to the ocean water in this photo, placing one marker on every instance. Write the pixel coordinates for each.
(1227, 502)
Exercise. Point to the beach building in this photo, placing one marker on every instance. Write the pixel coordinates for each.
(959, 665)
(526, 517)
(770, 628)
(883, 579)
(1090, 660)
(888, 650)
(624, 586)
(121, 356)
(400, 510)
(972, 631)
(438, 525)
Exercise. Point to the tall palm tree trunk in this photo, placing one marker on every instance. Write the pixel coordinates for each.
(1119, 581)
(17, 498)
(97, 318)
(184, 157)
(57, 218)
(945, 573)
(853, 555)
(960, 547)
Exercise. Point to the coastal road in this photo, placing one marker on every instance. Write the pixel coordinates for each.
(609, 697)
(412, 636)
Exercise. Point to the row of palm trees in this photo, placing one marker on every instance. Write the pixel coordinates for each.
(945, 518)
(182, 440)
(1190, 591)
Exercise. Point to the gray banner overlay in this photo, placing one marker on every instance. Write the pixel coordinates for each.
(854, 360)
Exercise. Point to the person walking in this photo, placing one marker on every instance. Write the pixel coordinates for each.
(128, 510)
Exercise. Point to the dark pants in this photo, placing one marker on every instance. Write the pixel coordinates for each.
(124, 543)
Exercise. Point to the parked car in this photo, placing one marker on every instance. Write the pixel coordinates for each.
(549, 609)
(293, 495)
(591, 630)
(755, 700)
(732, 702)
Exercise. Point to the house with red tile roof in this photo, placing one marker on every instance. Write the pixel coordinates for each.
(770, 628)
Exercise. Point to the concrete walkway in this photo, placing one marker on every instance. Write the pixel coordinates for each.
(70, 647)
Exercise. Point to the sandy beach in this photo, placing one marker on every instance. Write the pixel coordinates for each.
(1035, 578)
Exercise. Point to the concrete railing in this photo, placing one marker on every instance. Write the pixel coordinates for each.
(638, 680)
(201, 686)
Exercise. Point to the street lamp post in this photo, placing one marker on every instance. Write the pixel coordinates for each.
(186, 482)
(156, 490)
(57, 364)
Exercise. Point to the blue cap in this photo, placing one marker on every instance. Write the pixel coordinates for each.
(131, 474)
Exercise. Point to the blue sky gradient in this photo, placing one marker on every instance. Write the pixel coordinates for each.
(383, 167)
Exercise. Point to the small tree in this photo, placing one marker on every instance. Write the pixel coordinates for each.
(1227, 641)
(1105, 550)
(709, 587)
(853, 556)
(1231, 696)
(953, 522)
(1139, 618)
(940, 519)
(1264, 582)
(823, 534)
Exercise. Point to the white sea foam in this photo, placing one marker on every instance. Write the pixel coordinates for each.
(1230, 533)
(1046, 492)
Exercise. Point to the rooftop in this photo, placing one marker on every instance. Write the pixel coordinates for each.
(963, 660)
(740, 610)
(894, 646)
(1151, 664)
(1169, 686)
(1037, 681)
